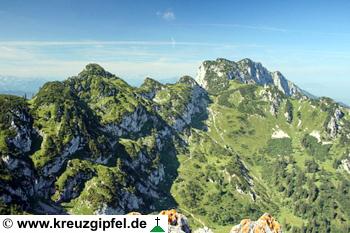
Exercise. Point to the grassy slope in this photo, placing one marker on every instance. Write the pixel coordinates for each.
(248, 136)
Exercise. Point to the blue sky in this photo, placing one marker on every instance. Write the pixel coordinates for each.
(308, 41)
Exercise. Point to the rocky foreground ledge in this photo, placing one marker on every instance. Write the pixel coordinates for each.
(265, 224)
(178, 223)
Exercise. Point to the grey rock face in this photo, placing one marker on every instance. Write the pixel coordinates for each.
(338, 114)
(131, 123)
(333, 125)
(73, 187)
(274, 98)
(345, 164)
(246, 71)
(73, 146)
(21, 124)
(284, 85)
(24, 183)
(265, 224)
(197, 104)
(150, 88)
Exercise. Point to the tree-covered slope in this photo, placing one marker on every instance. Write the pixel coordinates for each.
(265, 152)
(244, 142)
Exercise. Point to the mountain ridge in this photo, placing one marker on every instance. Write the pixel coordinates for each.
(245, 71)
(93, 144)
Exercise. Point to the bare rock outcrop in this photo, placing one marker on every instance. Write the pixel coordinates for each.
(178, 223)
(265, 224)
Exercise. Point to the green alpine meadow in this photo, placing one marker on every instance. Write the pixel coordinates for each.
(232, 143)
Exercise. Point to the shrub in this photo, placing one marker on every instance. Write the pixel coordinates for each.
(280, 146)
(314, 148)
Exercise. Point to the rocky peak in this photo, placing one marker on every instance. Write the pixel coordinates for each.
(94, 83)
(96, 70)
(253, 72)
(151, 82)
(214, 75)
(247, 61)
(150, 87)
(188, 80)
(189, 100)
(286, 86)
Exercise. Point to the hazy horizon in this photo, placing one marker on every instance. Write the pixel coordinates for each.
(306, 42)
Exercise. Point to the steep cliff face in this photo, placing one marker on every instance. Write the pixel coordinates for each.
(150, 87)
(333, 125)
(214, 76)
(16, 141)
(180, 103)
(16, 124)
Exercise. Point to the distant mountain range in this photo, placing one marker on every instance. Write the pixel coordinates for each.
(20, 86)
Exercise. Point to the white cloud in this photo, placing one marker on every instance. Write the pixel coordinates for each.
(132, 60)
(128, 70)
(167, 15)
(268, 28)
(129, 59)
(243, 26)
(8, 53)
(102, 43)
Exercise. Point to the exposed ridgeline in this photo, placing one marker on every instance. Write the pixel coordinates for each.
(243, 143)
(96, 140)
(215, 75)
